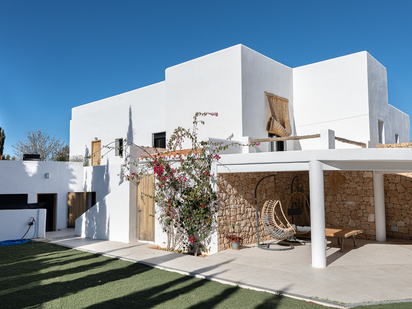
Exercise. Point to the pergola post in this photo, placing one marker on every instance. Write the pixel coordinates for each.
(379, 199)
(317, 214)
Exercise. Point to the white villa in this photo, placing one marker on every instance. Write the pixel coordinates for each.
(348, 185)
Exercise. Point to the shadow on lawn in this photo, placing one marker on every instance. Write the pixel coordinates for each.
(40, 286)
(35, 270)
(63, 277)
(164, 294)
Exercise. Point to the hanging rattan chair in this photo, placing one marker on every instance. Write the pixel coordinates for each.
(275, 222)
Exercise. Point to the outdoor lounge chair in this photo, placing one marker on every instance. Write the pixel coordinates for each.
(275, 222)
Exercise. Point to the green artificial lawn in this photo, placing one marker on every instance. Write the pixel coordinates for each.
(41, 275)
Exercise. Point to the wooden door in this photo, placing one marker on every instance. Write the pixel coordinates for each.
(76, 205)
(146, 208)
(96, 153)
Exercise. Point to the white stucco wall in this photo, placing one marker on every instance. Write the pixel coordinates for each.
(109, 219)
(28, 177)
(102, 179)
(134, 115)
(260, 74)
(332, 94)
(395, 121)
(14, 223)
(211, 83)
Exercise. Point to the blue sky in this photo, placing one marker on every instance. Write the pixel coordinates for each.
(55, 55)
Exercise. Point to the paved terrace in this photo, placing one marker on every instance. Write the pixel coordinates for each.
(371, 273)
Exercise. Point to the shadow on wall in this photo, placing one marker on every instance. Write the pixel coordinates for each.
(96, 219)
(29, 177)
(130, 132)
(126, 156)
(86, 163)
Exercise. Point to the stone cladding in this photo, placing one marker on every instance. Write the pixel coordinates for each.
(398, 205)
(349, 202)
(236, 200)
(399, 145)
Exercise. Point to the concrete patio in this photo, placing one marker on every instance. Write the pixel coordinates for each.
(374, 272)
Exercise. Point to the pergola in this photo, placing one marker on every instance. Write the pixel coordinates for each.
(379, 161)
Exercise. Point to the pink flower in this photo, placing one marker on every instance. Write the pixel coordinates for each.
(192, 239)
(257, 144)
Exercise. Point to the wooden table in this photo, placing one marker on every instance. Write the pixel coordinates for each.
(341, 234)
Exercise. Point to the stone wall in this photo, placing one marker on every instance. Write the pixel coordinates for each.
(399, 145)
(349, 202)
(236, 200)
(398, 205)
(398, 200)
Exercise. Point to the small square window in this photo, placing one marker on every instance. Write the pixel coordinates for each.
(159, 140)
(118, 147)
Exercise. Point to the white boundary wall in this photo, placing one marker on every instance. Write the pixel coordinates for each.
(28, 177)
(14, 223)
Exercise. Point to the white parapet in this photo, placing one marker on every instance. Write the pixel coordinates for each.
(327, 139)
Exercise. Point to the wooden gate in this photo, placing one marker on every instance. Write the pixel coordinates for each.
(77, 204)
(146, 208)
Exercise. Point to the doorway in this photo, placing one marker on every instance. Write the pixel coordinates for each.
(96, 153)
(146, 208)
(50, 205)
(77, 204)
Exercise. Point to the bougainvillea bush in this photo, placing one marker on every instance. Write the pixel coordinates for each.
(185, 192)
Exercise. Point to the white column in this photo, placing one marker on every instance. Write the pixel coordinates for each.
(379, 198)
(317, 214)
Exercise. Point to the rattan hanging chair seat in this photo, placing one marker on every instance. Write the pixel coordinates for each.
(275, 221)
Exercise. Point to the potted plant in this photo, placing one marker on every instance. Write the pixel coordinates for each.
(235, 241)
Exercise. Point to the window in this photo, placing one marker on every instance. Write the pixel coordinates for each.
(159, 140)
(118, 147)
(272, 144)
(381, 132)
(396, 138)
(276, 146)
(280, 146)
